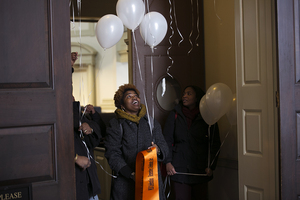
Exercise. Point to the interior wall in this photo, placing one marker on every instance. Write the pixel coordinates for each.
(219, 39)
(110, 67)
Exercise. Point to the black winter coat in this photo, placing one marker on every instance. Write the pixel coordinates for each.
(123, 144)
(188, 148)
(87, 183)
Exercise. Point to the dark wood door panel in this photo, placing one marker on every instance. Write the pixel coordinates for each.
(188, 56)
(289, 90)
(25, 150)
(26, 108)
(27, 24)
(36, 125)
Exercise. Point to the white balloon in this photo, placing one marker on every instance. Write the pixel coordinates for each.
(218, 99)
(131, 12)
(153, 28)
(231, 114)
(109, 30)
(206, 114)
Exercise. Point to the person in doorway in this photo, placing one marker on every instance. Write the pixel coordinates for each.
(73, 59)
(127, 135)
(187, 136)
(87, 135)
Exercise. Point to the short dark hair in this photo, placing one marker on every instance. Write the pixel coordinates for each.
(119, 95)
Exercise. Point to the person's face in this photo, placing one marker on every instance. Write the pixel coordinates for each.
(189, 98)
(131, 102)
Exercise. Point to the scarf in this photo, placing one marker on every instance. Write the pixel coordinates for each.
(134, 118)
(190, 115)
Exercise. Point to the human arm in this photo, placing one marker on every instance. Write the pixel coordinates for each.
(97, 118)
(170, 169)
(168, 134)
(92, 133)
(90, 109)
(157, 148)
(113, 146)
(73, 57)
(82, 161)
(86, 129)
(209, 171)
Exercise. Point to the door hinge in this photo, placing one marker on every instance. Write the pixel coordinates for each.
(277, 99)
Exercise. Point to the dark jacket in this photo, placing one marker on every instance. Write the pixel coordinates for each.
(96, 117)
(87, 183)
(188, 148)
(123, 142)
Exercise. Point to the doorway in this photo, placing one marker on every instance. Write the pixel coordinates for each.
(97, 72)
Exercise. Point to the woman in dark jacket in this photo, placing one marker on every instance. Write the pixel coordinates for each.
(127, 135)
(187, 136)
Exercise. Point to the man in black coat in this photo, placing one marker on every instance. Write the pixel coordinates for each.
(87, 136)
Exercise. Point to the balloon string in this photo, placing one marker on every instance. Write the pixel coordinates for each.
(80, 54)
(94, 85)
(177, 25)
(198, 20)
(208, 165)
(79, 14)
(168, 51)
(137, 55)
(90, 157)
(81, 85)
(213, 134)
(216, 12)
(104, 169)
(146, 104)
(73, 14)
(79, 7)
(192, 27)
(147, 4)
(143, 84)
(221, 146)
(191, 174)
(152, 72)
(81, 89)
(167, 182)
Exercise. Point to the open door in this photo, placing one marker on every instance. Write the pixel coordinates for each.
(256, 107)
(36, 123)
(288, 12)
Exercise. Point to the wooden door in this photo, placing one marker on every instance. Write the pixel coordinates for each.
(256, 108)
(289, 95)
(188, 56)
(36, 134)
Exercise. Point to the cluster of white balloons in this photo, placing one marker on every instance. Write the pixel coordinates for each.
(217, 102)
(131, 13)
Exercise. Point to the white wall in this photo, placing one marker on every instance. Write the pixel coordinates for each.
(219, 34)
